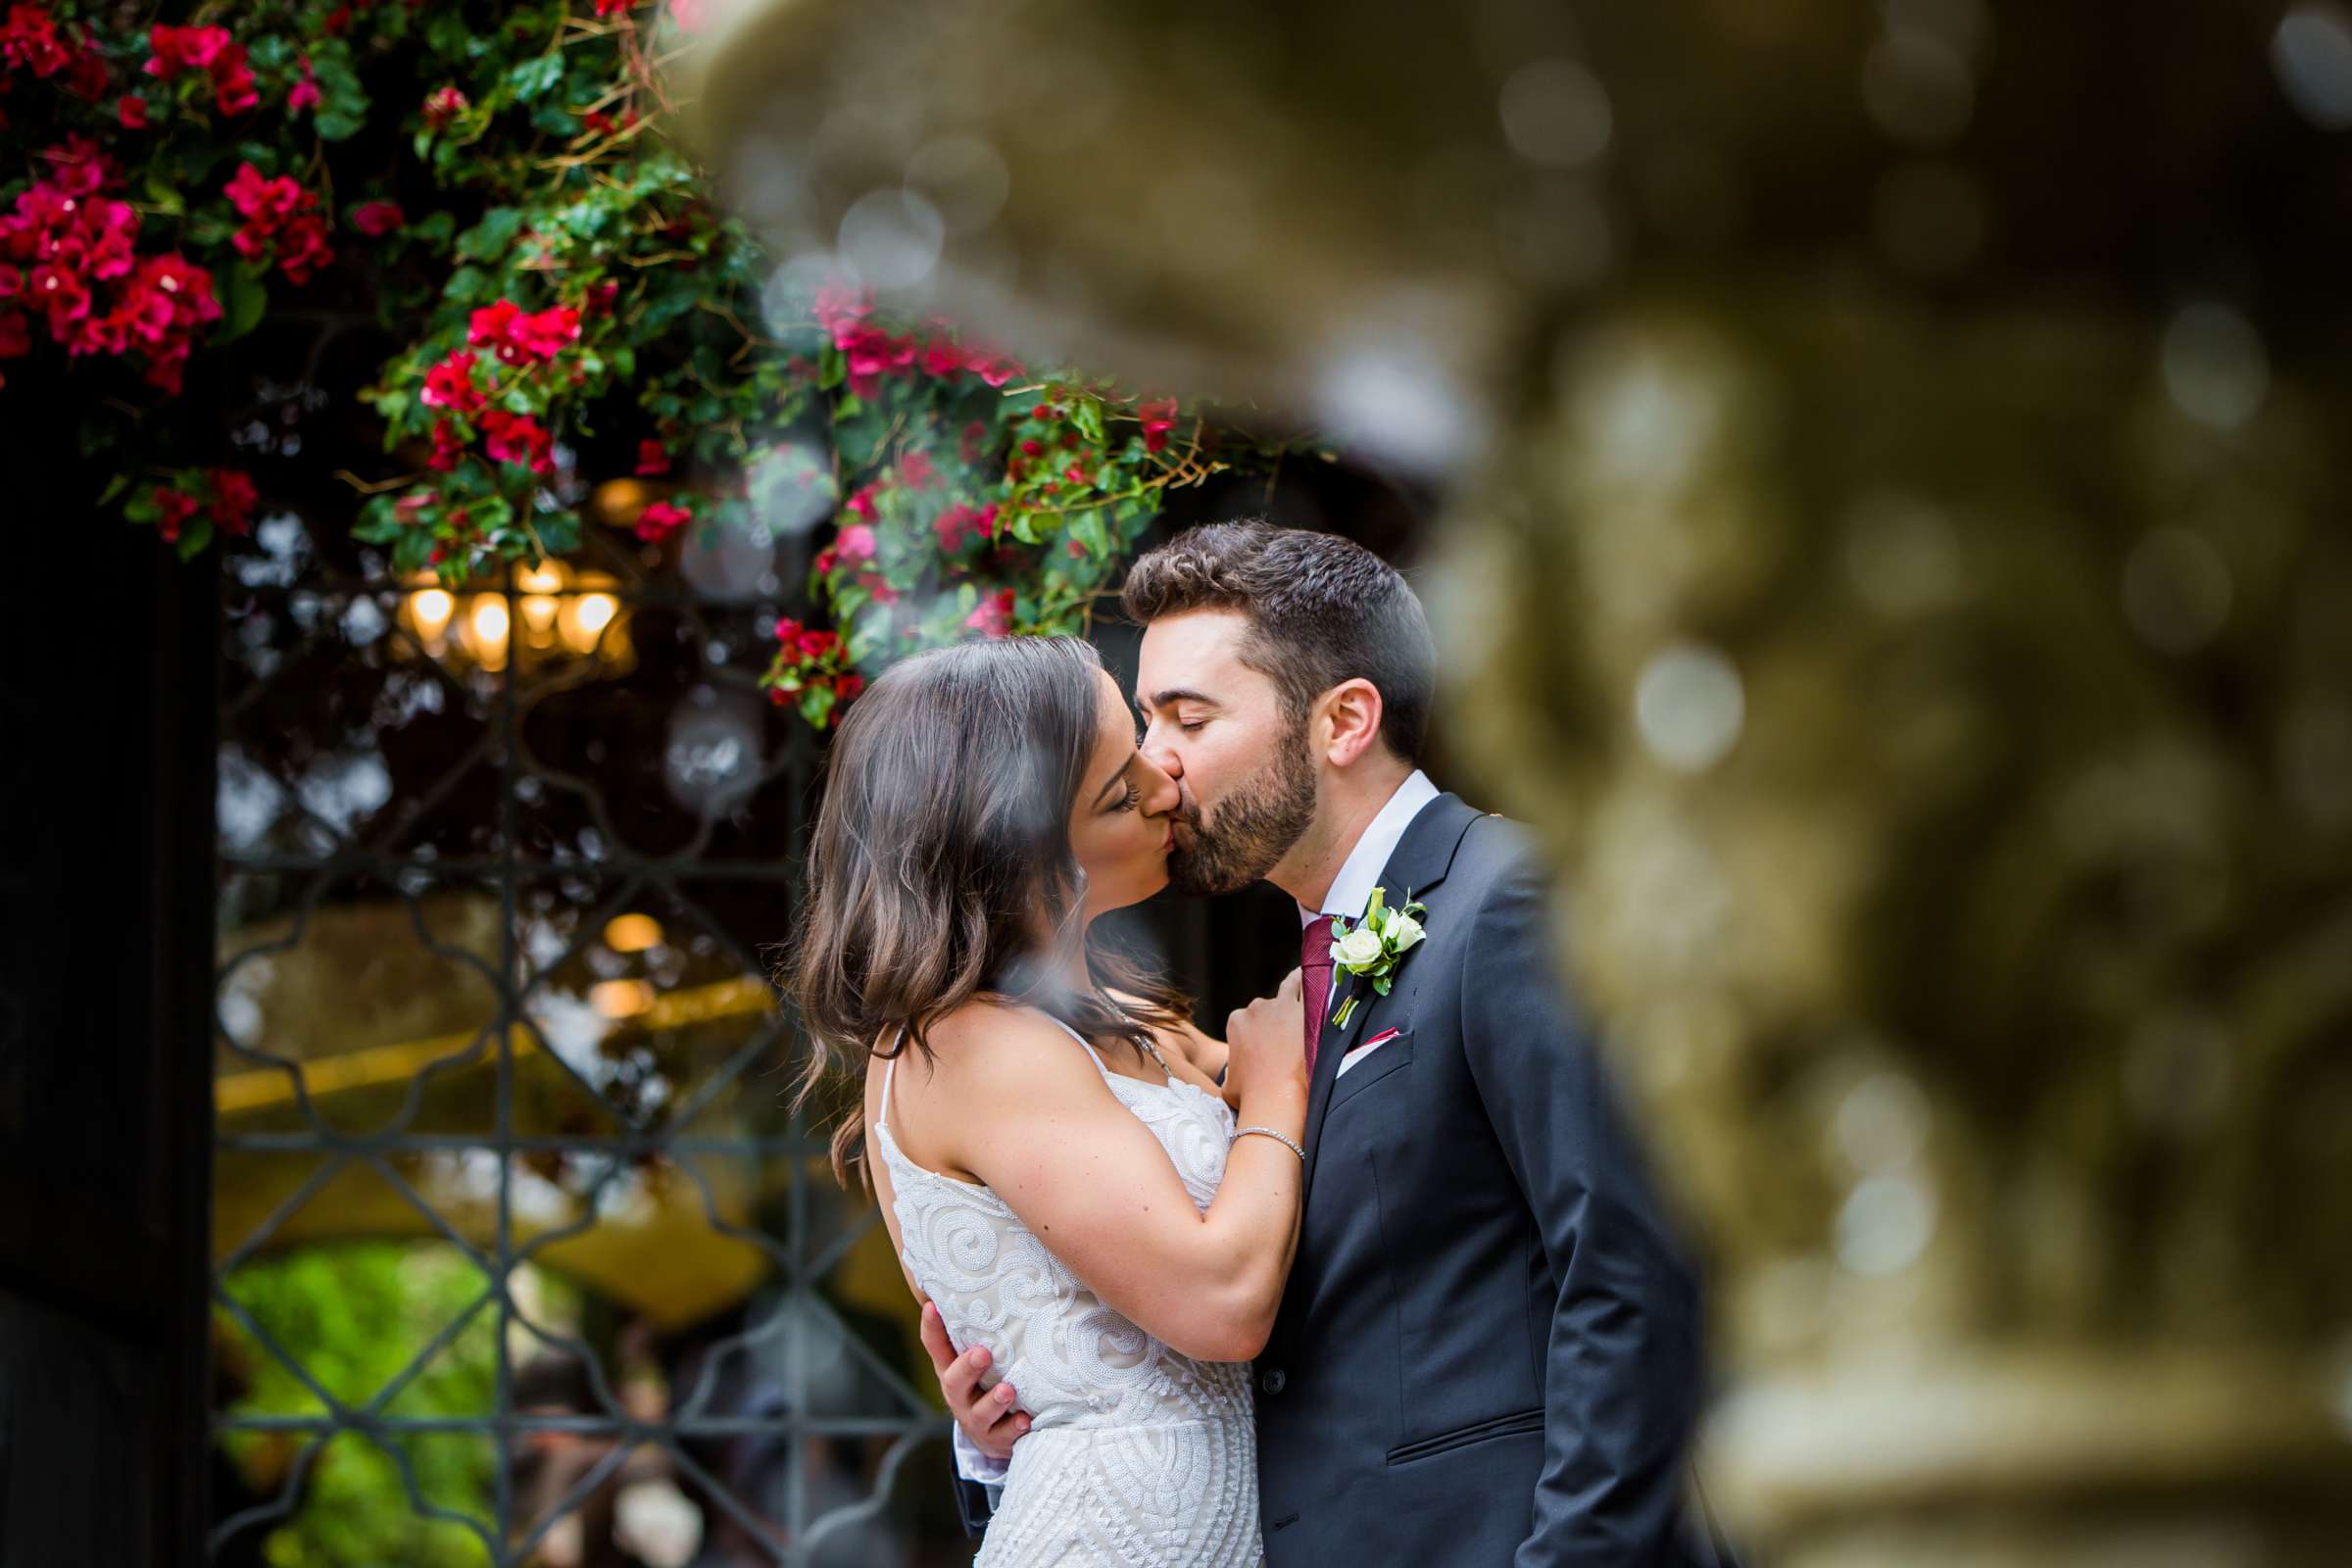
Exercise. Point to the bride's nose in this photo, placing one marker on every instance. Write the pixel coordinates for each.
(1161, 795)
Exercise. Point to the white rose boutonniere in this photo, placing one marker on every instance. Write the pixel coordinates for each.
(1372, 948)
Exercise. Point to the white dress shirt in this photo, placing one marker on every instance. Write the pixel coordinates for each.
(1349, 892)
(1361, 872)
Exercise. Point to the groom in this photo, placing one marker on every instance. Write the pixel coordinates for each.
(1487, 1352)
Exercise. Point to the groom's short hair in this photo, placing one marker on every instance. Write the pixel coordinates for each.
(1322, 609)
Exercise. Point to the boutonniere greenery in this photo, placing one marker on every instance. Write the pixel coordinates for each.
(1372, 948)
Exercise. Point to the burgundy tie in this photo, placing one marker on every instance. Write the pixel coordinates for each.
(1314, 974)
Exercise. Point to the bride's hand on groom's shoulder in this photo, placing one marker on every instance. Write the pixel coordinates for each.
(1267, 1045)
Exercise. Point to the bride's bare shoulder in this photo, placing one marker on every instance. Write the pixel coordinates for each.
(990, 1034)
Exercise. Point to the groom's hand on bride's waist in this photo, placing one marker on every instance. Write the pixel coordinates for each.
(989, 1417)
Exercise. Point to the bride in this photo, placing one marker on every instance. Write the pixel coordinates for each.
(1043, 1127)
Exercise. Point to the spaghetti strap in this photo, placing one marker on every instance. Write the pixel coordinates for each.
(1099, 1065)
(890, 1068)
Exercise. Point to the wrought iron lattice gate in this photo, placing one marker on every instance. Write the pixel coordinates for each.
(495, 1051)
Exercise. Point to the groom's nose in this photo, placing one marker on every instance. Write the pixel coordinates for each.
(1160, 754)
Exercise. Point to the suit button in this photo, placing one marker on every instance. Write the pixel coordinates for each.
(1273, 1379)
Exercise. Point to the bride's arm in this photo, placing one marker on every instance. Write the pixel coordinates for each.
(1038, 1126)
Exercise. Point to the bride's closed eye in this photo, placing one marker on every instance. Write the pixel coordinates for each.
(1129, 800)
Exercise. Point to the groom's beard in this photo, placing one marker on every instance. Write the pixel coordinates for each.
(1252, 828)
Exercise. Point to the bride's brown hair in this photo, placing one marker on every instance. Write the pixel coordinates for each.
(941, 869)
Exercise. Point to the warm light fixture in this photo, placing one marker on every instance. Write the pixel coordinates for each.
(620, 998)
(632, 933)
(553, 615)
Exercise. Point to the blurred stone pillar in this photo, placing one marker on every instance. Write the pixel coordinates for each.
(1933, 678)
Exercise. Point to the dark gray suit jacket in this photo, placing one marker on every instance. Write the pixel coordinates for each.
(1488, 1351)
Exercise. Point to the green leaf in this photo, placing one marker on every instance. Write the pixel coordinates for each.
(535, 76)
(488, 239)
(243, 299)
(817, 706)
(161, 192)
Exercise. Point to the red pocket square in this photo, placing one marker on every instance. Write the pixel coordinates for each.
(1380, 1038)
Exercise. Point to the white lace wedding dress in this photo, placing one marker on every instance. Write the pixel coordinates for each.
(1137, 1454)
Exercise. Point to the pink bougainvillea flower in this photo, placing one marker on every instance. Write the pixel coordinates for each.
(305, 94)
(846, 687)
(818, 644)
(451, 385)
(282, 222)
(855, 545)
(521, 337)
(688, 15)
(173, 50)
(29, 39)
(839, 308)
(993, 617)
(444, 106)
(652, 457)
(375, 219)
(518, 438)
(233, 499)
(660, 519)
(490, 326)
(1157, 419)
(918, 471)
(130, 111)
(787, 629)
(942, 358)
(545, 333)
(614, 7)
(172, 508)
(449, 446)
(861, 503)
(232, 81)
(994, 369)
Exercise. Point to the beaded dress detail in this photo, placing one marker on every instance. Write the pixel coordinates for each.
(1135, 1455)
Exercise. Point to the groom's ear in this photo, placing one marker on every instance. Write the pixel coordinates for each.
(1347, 721)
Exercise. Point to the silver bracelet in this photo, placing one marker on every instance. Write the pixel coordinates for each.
(1290, 1144)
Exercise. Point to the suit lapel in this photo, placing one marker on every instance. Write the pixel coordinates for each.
(1418, 863)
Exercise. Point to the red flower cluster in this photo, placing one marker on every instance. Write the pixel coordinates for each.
(211, 51)
(815, 671)
(282, 221)
(1158, 419)
(451, 385)
(32, 40)
(854, 545)
(660, 519)
(521, 337)
(229, 500)
(306, 91)
(874, 353)
(652, 457)
(68, 250)
(375, 219)
(29, 41)
(518, 438)
(959, 522)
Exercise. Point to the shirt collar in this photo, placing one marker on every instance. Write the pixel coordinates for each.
(1352, 888)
